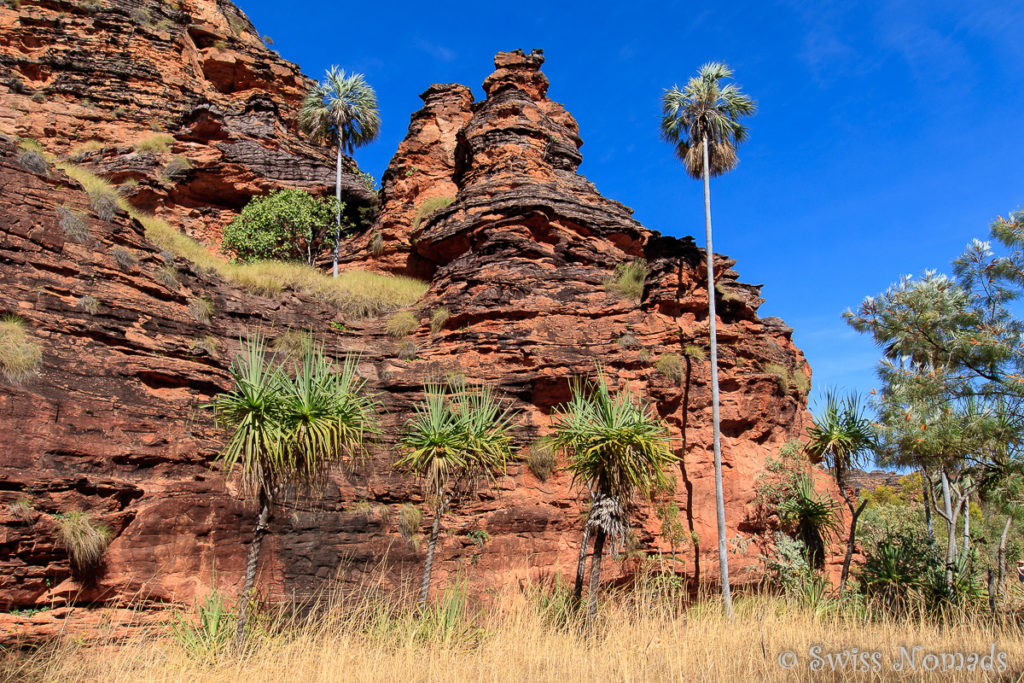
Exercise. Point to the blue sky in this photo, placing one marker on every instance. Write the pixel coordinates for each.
(889, 133)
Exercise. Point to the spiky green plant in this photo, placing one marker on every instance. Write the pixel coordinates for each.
(842, 436)
(813, 515)
(702, 121)
(288, 429)
(341, 111)
(458, 435)
(616, 447)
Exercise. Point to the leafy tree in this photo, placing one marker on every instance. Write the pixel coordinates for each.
(702, 121)
(341, 111)
(617, 447)
(286, 224)
(457, 436)
(841, 436)
(286, 431)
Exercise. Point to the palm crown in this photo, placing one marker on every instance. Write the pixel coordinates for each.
(842, 434)
(342, 110)
(705, 108)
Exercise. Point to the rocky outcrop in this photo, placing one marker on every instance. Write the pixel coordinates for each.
(520, 257)
(101, 82)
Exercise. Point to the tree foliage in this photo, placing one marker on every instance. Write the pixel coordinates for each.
(285, 225)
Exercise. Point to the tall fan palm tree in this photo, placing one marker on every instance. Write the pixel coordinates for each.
(458, 435)
(287, 431)
(841, 436)
(702, 121)
(340, 110)
(617, 447)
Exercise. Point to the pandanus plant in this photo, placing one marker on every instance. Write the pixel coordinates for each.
(287, 430)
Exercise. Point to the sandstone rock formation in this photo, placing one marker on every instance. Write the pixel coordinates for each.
(113, 424)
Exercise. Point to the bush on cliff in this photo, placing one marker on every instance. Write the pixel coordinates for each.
(289, 225)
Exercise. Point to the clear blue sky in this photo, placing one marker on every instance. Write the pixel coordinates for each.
(888, 135)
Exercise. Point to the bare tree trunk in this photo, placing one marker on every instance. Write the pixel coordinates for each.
(947, 505)
(991, 591)
(581, 566)
(723, 551)
(926, 484)
(851, 539)
(595, 575)
(262, 518)
(1001, 559)
(337, 218)
(428, 564)
(967, 523)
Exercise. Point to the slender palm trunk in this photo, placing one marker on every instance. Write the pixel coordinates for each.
(1001, 560)
(595, 574)
(851, 539)
(262, 518)
(723, 557)
(428, 565)
(967, 524)
(337, 218)
(926, 485)
(581, 566)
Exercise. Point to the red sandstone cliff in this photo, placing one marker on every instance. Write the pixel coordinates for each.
(113, 424)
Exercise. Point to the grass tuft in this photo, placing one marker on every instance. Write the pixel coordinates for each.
(409, 518)
(83, 538)
(781, 373)
(23, 510)
(628, 341)
(90, 304)
(407, 350)
(33, 162)
(201, 308)
(428, 207)
(124, 258)
(159, 143)
(176, 169)
(695, 352)
(438, 318)
(293, 343)
(672, 366)
(377, 244)
(541, 460)
(402, 323)
(628, 280)
(20, 355)
(73, 224)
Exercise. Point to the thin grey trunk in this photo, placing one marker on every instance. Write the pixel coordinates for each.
(337, 218)
(1001, 559)
(991, 591)
(947, 505)
(581, 566)
(595, 575)
(723, 556)
(262, 518)
(967, 524)
(428, 565)
(926, 484)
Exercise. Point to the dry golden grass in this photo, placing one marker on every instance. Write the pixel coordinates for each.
(357, 292)
(638, 639)
(20, 354)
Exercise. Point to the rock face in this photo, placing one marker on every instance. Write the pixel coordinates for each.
(519, 257)
(98, 81)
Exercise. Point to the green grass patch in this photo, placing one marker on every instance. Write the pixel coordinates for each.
(159, 143)
(438, 318)
(787, 379)
(672, 366)
(428, 207)
(359, 293)
(628, 280)
(695, 352)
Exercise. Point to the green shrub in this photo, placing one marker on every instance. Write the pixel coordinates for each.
(73, 224)
(124, 259)
(541, 460)
(176, 168)
(287, 224)
(159, 143)
(438, 318)
(628, 280)
(83, 538)
(781, 373)
(479, 537)
(428, 207)
(90, 303)
(409, 518)
(672, 366)
(20, 355)
(201, 308)
(402, 323)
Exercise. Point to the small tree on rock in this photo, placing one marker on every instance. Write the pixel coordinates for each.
(285, 225)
